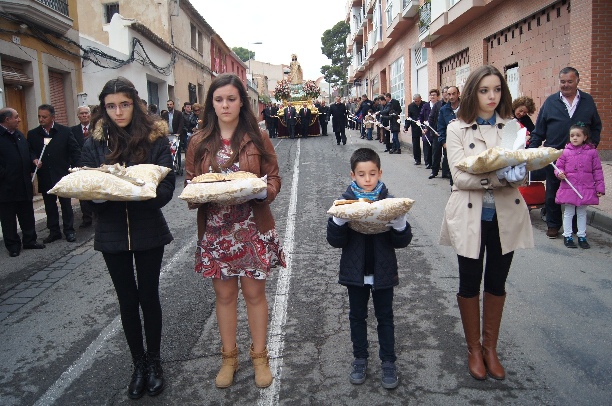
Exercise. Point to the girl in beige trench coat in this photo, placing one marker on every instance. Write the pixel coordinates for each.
(485, 216)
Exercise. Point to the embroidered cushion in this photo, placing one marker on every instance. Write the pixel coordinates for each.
(370, 218)
(138, 182)
(231, 188)
(496, 158)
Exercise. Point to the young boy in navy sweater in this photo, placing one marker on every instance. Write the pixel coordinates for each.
(368, 265)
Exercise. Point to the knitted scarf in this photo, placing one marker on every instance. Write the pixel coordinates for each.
(360, 193)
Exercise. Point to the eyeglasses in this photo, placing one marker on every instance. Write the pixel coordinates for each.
(122, 106)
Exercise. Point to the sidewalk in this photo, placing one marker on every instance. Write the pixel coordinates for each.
(599, 216)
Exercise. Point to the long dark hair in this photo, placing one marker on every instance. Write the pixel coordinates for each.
(247, 124)
(129, 144)
(469, 97)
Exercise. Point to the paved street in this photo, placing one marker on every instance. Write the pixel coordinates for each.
(62, 341)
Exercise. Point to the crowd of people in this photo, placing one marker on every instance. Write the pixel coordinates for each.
(223, 135)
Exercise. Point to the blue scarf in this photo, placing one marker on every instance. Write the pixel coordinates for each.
(360, 193)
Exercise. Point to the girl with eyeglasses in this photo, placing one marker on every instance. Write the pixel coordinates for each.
(132, 235)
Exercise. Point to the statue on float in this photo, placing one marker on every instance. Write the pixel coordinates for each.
(296, 77)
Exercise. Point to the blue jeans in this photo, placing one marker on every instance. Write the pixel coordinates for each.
(396, 143)
(369, 132)
(383, 310)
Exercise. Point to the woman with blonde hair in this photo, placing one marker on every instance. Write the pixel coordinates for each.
(485, 217)
(237, 244)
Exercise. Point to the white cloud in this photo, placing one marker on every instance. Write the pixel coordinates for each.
(283, 27)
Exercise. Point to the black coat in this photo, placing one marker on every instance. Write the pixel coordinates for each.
(293, 119)
(16, 167)
(338, 113)
(323, 114)
(132, 226)
(62, 152)
(77, 131)
(305, 119)
(360, 249)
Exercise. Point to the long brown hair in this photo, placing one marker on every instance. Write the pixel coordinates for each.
(247, 124)
(130, 145)
(469, 96)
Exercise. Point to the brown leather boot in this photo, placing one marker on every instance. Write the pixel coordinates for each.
(261, 364)
(229, 366)
(470, 317)
(492, 309)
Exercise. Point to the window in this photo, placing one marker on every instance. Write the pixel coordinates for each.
(110, 10)
(194, 37)
(200, 43)
(420, 56)
(389, 12)
(397, 80)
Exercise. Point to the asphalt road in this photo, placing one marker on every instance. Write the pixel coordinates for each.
(61, 339)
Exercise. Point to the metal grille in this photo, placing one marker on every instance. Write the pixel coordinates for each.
(61, 6)
(418, 56)
(424, 17)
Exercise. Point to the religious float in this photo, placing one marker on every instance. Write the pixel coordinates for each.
(297, 91)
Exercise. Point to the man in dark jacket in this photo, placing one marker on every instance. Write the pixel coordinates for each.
(15, 186)
(323, 117)
(558, 113)
(338, 112)
(290, 119)
(61, 153)
(448, 113)
(436, 157)
(176, 125)
(305, 117)
(274, 120)
(81, 133)
(364, 107)
(428, 135)
(414, 112)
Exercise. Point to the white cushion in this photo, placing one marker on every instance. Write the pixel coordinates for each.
(233, 191)
(497, 157)
(96, 185)
(371, 218)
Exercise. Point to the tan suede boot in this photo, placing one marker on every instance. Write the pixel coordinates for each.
(470, 317)
(229, 366)
(492, 309)
(261, 364)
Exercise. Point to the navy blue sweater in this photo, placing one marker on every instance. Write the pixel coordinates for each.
(553, 123)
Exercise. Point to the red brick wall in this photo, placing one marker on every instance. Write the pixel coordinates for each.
(591, 45)
(57, 97)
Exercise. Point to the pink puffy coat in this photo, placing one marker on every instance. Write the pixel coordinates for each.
(582, 167)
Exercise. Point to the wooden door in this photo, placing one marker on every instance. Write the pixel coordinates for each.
(15, 99)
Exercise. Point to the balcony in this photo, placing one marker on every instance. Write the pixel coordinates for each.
(410, 8)
(424, 18)
(458, 16)
(50, 14)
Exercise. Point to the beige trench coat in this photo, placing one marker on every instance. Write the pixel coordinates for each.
(461, 223)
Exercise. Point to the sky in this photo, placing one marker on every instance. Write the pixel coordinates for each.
(283, 28)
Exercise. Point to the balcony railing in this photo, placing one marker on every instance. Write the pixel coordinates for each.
(424, 17)
(61, 6)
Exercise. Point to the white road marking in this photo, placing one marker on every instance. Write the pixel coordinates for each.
(276, 341)
(87, 358)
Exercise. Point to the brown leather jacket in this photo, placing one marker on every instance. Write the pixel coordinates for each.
(250, 160)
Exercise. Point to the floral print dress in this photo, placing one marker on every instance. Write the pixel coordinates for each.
(232, 245)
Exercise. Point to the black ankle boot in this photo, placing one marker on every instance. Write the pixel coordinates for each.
(155, 374)
(139, 378)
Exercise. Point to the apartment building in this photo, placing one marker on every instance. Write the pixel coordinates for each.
(406, 47)
(40, 58)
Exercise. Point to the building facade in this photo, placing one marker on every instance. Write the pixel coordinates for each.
(40, 59)
(406, 47)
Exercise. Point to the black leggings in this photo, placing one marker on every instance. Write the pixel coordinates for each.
(496, 269)
(143, 295)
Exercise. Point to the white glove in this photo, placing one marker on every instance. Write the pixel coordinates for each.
(98, 201)
(516, 173)
(501, 173)
(339, 221)
(398, 223)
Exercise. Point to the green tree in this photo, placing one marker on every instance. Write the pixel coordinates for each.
(243, 53)
(333, 43)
